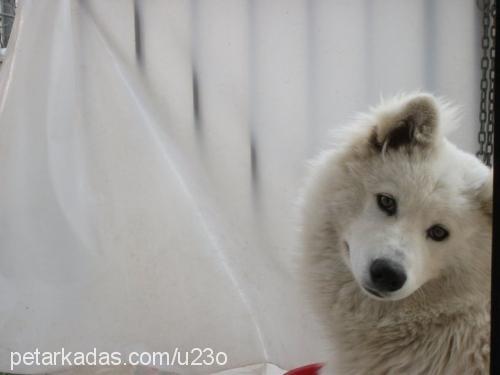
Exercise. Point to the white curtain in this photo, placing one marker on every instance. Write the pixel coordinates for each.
(151, 154)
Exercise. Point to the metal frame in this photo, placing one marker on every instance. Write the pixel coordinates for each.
(7, 14)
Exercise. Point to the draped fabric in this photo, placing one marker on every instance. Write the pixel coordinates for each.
(152, 153)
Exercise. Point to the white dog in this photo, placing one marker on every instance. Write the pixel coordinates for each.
(397, 237)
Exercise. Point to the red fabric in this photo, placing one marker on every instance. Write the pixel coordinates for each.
(306, 370)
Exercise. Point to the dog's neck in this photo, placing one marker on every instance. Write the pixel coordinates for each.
(379, 335)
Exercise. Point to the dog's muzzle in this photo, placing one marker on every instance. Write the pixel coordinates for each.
(386, 276)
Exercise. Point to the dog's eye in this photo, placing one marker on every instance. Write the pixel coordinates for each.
(437, 233)
(387, 204)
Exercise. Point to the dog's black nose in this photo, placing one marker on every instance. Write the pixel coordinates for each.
(386, 275)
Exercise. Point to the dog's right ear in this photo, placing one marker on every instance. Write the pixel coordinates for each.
(414, 125)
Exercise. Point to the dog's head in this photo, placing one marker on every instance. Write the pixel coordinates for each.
(415, 208)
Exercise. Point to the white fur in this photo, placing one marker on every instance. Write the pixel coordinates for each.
(438, 322)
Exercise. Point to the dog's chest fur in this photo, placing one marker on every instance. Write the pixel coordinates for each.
(375, 338)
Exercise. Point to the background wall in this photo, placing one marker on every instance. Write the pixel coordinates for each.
(153, 151)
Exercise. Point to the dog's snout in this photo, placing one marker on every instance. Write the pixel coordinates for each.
(386, 275)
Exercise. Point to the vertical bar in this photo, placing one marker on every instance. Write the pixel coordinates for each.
(253, 89)
(138, 32)
(196, 100)
(196, 60)
(495, 256)
(3, 44)
(195, 82)
(7, 13)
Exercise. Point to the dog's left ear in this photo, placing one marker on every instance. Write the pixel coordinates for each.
(485, 195)
(415, 124)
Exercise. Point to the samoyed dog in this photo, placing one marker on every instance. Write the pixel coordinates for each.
(396, 234)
